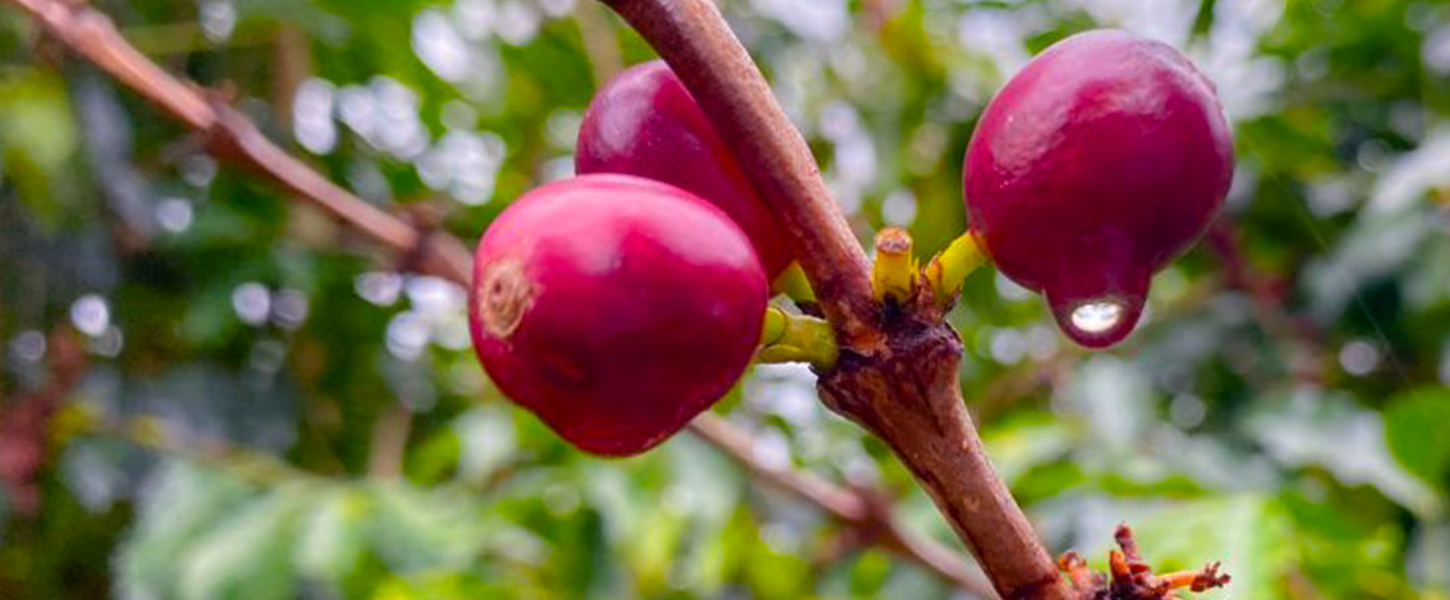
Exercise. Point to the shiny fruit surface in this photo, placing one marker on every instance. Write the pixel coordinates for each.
(645, 123)
(615, 308)
(1106, 157)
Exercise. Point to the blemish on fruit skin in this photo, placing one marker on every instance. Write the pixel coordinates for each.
(505, 294)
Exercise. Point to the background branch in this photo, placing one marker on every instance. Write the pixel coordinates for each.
(230, 136)
(870, 515)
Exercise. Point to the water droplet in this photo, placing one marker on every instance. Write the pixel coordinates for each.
(1097, 317)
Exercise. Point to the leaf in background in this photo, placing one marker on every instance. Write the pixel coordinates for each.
(1251, 535)
(38, 142)
(1428, 557)
(487, 440)
(248, 556)
(181, 503)
(1018, 446)
(1116, 398)
(1328, 430)
(333, 537)
(415, 530)
(1378, 245)
(1417, 425)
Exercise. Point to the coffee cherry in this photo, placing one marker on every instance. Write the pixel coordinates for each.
(644, 122)
(615, 308)
(1105, 158)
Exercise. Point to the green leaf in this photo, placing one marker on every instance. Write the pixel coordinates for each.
(1417, 425)
(184, 502)
(249, 556)
(333, 538)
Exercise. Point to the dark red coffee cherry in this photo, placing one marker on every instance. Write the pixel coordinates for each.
(644, 122)
(615, 308)
(1104, 159)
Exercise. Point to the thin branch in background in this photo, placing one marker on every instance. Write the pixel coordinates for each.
(600, 41)
(869, 515)
(390, 441)
(231, 137)
(92, 35)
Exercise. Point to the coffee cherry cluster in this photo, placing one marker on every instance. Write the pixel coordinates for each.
(619, 305)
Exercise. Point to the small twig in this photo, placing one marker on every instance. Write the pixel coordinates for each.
(599, 38)
(389, 442)
(870, 516)
(1130, 577)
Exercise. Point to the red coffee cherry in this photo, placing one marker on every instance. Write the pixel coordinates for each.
(615, 308)
(1105, 158)
(644, 122)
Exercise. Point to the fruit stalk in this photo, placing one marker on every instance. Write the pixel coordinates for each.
(897, 370)
(949, 269)
(796, 338)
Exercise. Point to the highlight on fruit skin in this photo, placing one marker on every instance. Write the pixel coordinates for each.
(615, 308)
(645, 122)
(1105, 158)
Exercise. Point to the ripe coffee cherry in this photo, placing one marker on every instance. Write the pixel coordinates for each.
(615, 308)
(644, 122)
(1104, 159)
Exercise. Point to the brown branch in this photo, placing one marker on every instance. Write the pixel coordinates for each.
(898, 371)
(692, 37)
(870, 516)
(230, 136)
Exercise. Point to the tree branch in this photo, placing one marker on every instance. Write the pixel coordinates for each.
(232, 137)
(897, 371)
(692, 37)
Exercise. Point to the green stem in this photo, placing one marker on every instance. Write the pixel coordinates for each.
(792, 283)
(796, 338)
(893, 274)
(950, 268)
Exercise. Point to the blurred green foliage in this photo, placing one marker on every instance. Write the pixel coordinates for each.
(270, 412)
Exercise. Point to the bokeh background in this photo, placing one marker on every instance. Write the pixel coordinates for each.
(254, 404)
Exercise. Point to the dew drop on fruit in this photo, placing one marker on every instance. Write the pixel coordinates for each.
(1097, 317)
(1098, 322)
